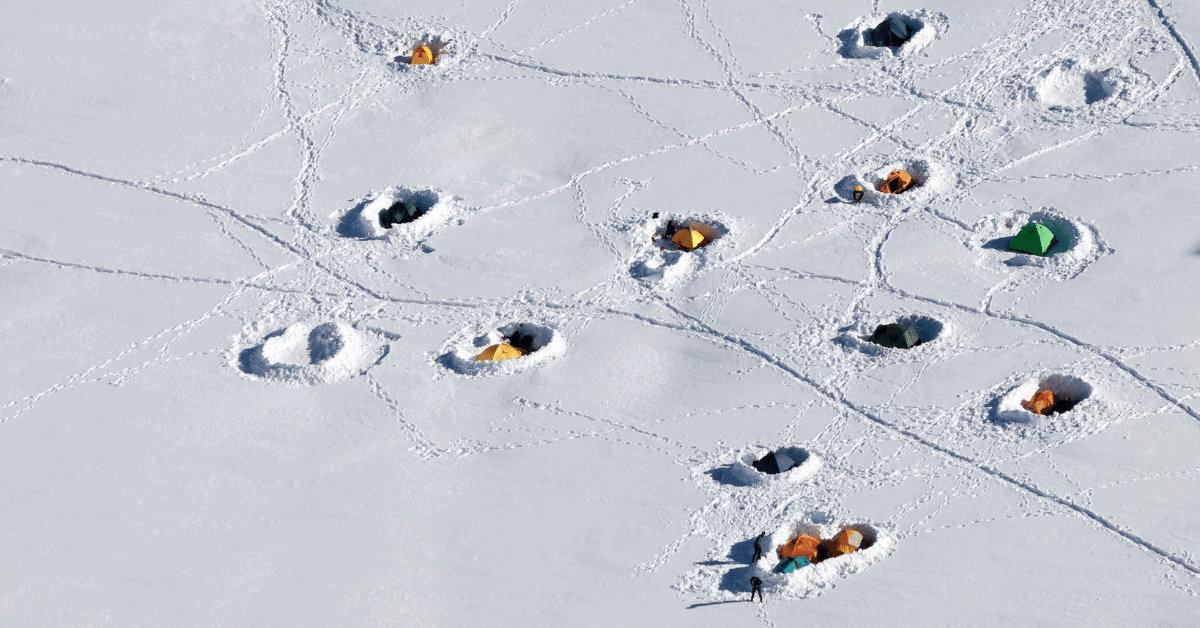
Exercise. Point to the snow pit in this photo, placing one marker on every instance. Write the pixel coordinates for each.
(930, 179)
(444, 47)
(1068, 392)
(741, 472)
(877, 544)
(659, 261)
(303, 354)
(439, 209)
(923, 27)
(459, 353)
(1071, 84)
(1079, 243)
(858, 337)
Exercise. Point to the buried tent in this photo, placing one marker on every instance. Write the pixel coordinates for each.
(398, 214)
(422, 55)
(790, 564)
(774, 463)
(890, 32)
(1034, 238)
(848, 541)
(896, 336)
(502, 351)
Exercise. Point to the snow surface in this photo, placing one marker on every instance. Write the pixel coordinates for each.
(231, 398)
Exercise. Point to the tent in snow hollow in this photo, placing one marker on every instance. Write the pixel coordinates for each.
(422, 55)
(688, 238)
(773, 463)
(896, 182)
(803, 546)
(790, 564)
(890, 32)
(398, 214)
(896, 336)
(846, 542)
(1034, 238)
(502, 351)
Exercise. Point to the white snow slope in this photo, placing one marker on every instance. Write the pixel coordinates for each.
(228, 399)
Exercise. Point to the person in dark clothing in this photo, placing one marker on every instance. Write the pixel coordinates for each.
(671, 229)
(757, 548)
(755, 587)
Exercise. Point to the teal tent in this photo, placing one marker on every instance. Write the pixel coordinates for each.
(896, 336)
(890, 32)
(788, 565)
(398, 214)
(1034, 238)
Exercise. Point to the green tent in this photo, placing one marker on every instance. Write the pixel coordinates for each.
(788, 565)
(896, 336)
(1033, 238)
(398, 214)
(890, 32)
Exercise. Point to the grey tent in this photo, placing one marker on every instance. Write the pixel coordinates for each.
(896, 336)
(890, 32)
(398, 214)
(774, 463)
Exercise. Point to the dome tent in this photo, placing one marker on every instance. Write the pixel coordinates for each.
(688, 238)
(896, 182)
(502, 351)
(774, 463)
(801, 546)
(422, 55)
(398, 214)
(790, 564)
(846, 542)
(890, 32)
(896, 336)
(1033, 238)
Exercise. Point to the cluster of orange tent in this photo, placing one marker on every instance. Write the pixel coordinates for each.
(815, 550)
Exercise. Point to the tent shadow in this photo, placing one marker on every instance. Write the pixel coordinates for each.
(999, 244)
(728, 476)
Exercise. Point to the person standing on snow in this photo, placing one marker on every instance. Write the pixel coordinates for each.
(755, 587)
(758, 548)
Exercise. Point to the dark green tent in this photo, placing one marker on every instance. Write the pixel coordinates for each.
(398, 214)
(1033, 238)
(896, 336)
(890, 32)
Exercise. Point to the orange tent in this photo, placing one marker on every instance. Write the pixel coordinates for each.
(422, 55)
(1042, 403)
(846, 542)
(502, 351)
(803, 545)
(896, 182)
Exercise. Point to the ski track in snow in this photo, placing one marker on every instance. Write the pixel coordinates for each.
(981, 126)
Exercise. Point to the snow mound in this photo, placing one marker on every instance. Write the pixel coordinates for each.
(1064, 387)
(929, 329)
(659, 262)
(1079, 243)
(923, 25)
(304, 354)
(362, 221)
(741, 473)
(459, 353)
(930, 179)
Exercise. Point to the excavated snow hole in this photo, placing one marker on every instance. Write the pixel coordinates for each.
(445, 47)
(930, 179)
(923, 26)
(1068, 391)
(877, 544)
(741, 471)
(304, 354)
(438, 208)
(659, 261)
(1078, 242)
(858, 337)
(1071, 84)
(458, 355)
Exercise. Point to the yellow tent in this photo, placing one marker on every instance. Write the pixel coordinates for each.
(688, 238)
(846, 542)
(502, 351)
(422, 55)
